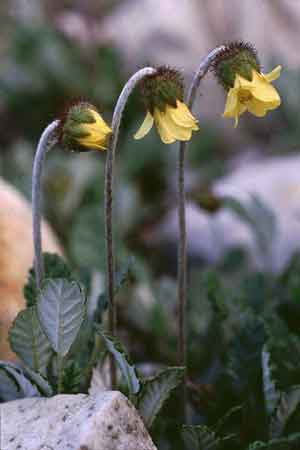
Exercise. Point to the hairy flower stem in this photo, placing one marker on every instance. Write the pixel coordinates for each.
(109, 173)
(182, 248)
(60, 371)
(47, 140)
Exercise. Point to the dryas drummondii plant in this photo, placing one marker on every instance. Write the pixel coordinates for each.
(81, 128)
(109, 179)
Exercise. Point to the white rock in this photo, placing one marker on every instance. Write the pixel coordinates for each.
(73, 422)
(276, 182)
(180, 33)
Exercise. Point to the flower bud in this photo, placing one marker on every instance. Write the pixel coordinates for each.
(162, 88)
(82, 128)
(237, 58)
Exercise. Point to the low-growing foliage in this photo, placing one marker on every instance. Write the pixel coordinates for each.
(243, 388)
(42, 336)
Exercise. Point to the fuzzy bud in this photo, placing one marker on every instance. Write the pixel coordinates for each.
(82, 128)
(237, 58)
(163, 88)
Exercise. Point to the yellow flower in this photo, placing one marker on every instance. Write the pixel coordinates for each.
(257, 96)
(97, 133)
(175, 123)
(82, 128)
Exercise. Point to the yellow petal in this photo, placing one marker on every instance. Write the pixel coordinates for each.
(257, 108)
(181, 106)
(97, 133)
(271, 76)
(145, 127)
(99, 123)
(264, 91)
(231, 103)
(162, 128)
(183, 116)
(236, 121)
(234, 108)
(92, 144)
(267, 93)
(178, 132)
(239, 111)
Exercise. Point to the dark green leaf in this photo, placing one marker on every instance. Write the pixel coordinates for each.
(122, 359)
(288, 404)
(29, 342)
(245, 353)
(40, 382)
(291, 442)
(155, 391)
(61, 310)
(235, 411)
(122, 277)
(54, 267)
(71, 378)
(200, 437)
(14, 384)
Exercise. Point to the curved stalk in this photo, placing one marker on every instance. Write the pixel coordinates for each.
(47, 140)
(182, 248)
(116, 121)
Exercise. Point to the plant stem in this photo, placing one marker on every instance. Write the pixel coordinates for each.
(182, 247)
(47, 140)
(60, 368)
(116, 121)
(88, 371)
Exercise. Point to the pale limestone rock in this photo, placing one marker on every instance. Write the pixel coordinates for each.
(276, 182)
(181, 33)
(16, 256)
(73, 422)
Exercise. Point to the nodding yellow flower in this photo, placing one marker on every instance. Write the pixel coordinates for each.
(175, 123)
(257, 96)
(82, 128)
(238, 70)
(163, 96)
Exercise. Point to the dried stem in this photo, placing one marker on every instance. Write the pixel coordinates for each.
(116, 121)
(47, 140)
(182, 248)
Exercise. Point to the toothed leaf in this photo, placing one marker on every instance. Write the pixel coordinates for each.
(28, 340)
(155, 391)
(122, 359)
